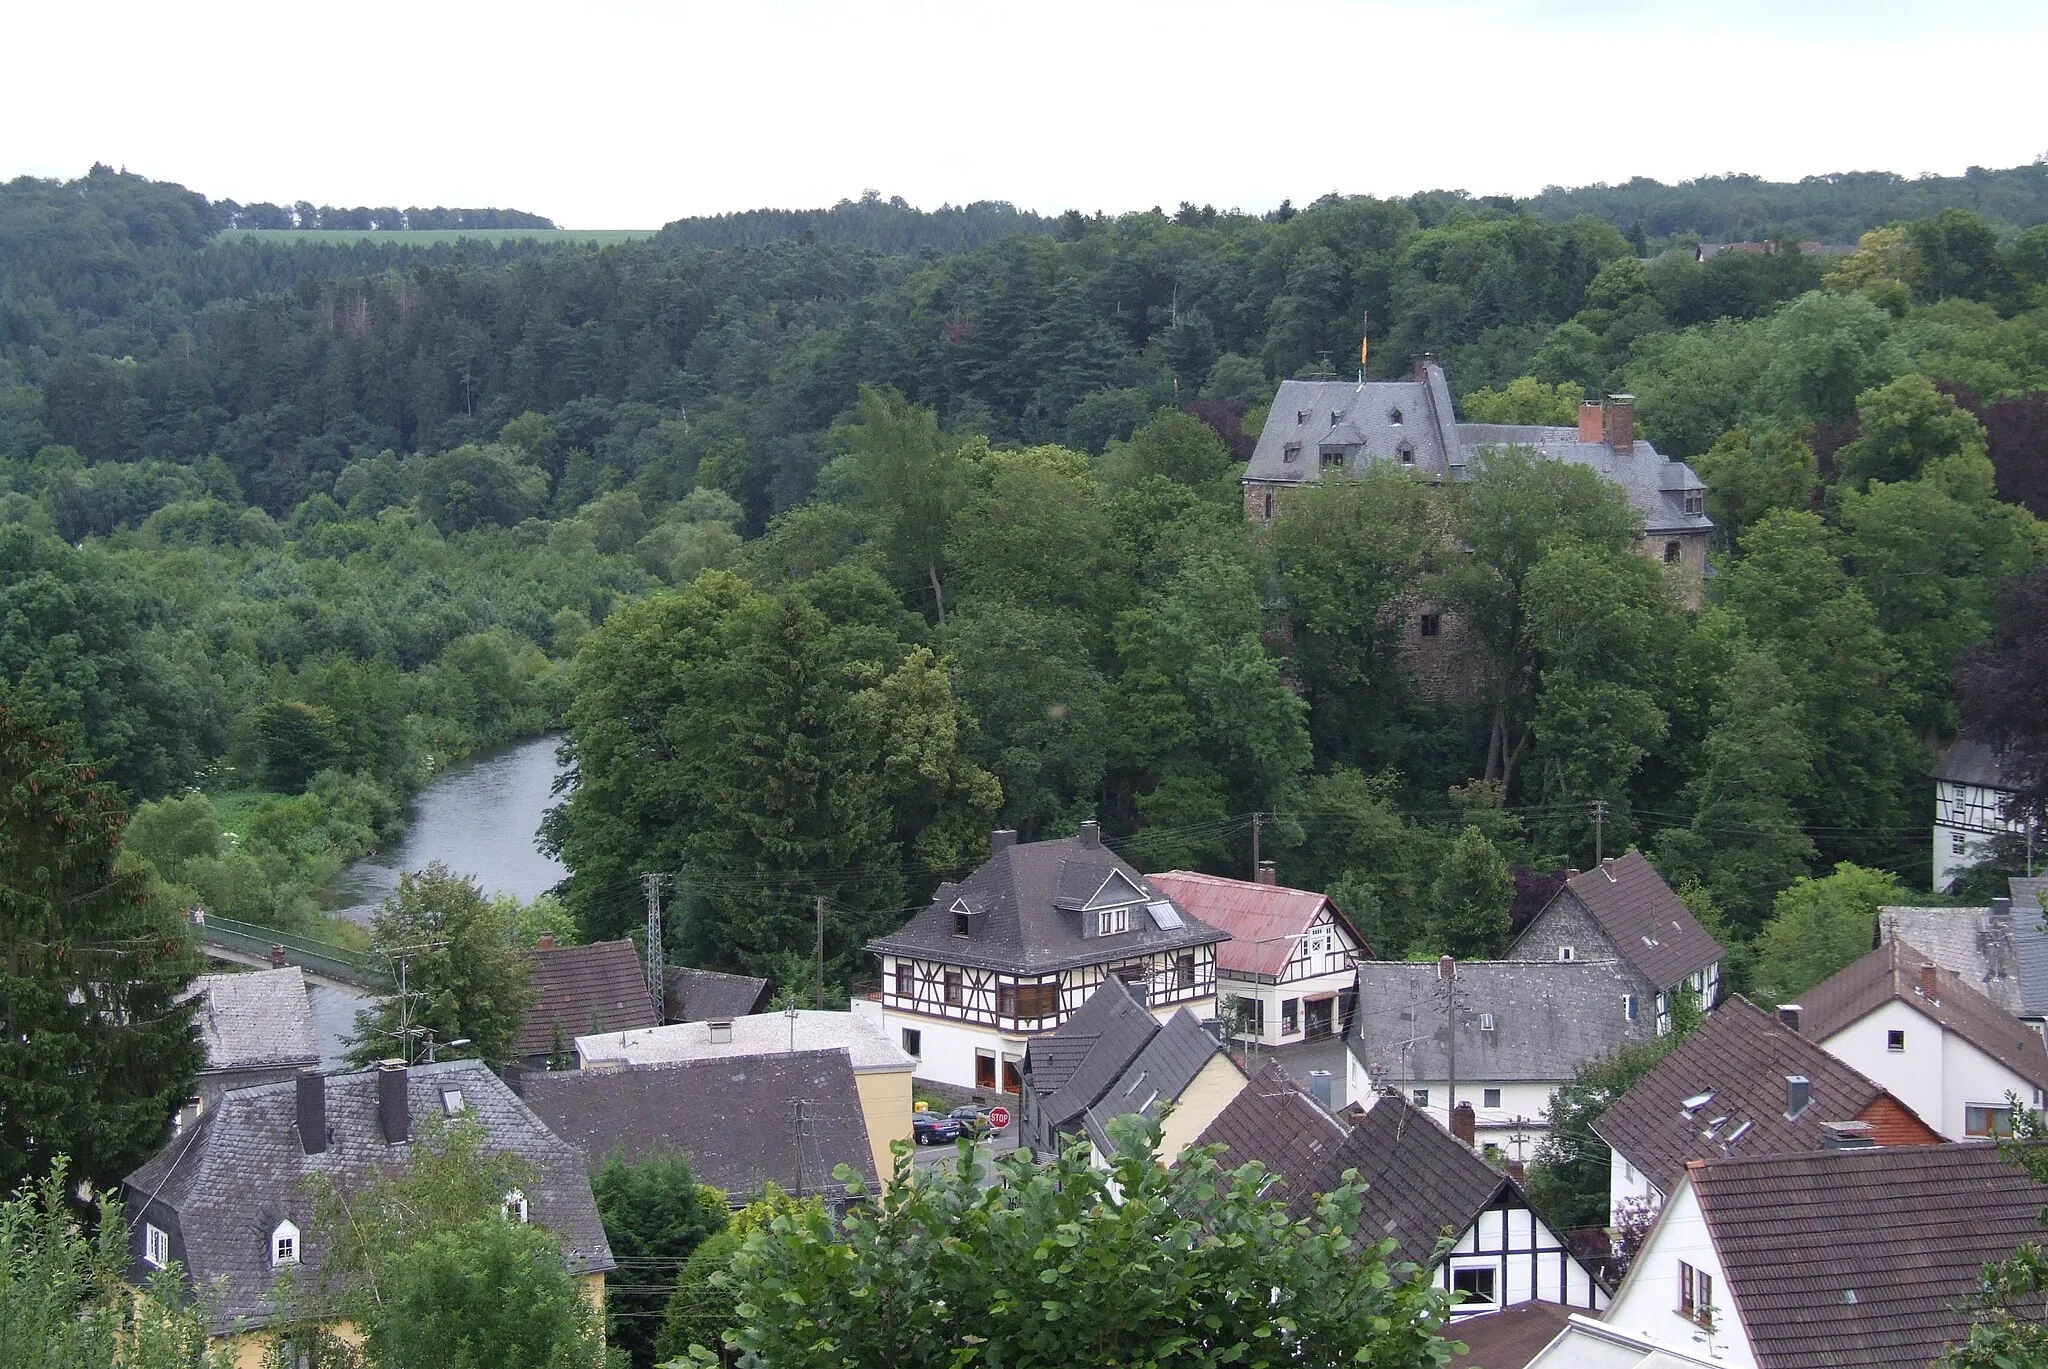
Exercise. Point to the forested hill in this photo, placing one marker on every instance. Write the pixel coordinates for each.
(890, 226)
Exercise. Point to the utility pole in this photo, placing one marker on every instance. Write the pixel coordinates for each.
(1599, 829)
(1258, 823)
(1447, 970)
(657, 984)
(819, 904)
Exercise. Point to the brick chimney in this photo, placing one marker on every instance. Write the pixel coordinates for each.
(1589, 422)
(1465, 1124)
(394, 1111)
(312, 1099)
(1519, 1172)
(1091, 834)
(1788, 1016)
(1422, 365)
(277, 960)
(1620, 422)
(547, 942)
(1930, 984)
(1002, 839)
(1268, 874)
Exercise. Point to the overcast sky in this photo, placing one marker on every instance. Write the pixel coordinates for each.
(629, 113)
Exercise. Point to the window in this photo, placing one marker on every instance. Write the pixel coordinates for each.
(1247, 1014)
(1113, 921)
(1290, 1016)
(1291, 453)
(1407, 454)
(1477, 1283)
(1629, 1006)
(1038, 1000)
(1983, 1119)
(954, 985)
(284, 1245)
(1565, 953)
(913, 1043)
(1006, 1000)
(1269, 503)
(1301, 416)
(515, 1206)
(1394, 418)
(1421, 1098)
(451, 1101)
(1957, 845)
(1672, 551)
(156, 1246)
(1332, 456)
(1490, 1098)
(1695, 501)
(1184, 972)
(1895, 1041)
(962, 920)
(906, 980)
(1430, 624)
(1686, 1306)
(984, 1069)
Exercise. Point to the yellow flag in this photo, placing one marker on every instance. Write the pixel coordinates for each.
(1364, 338)
(1364, 346)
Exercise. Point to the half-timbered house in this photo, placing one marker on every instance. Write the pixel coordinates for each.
(1017, 947)
(1422, 1184)
(1975, 786)
(1290, 969)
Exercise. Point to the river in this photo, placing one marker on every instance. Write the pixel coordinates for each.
(477, 817)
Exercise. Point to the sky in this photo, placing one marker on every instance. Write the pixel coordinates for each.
(630, 113)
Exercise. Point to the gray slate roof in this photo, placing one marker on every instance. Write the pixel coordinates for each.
(1982, 950)
(1650, 926)
(731, 1116)
(707, 995)
(1970, 761)
(222, 1187)
(1152, 1082)
(1313, 414)
(1026, 900)
(1069, 1068)
(257, 1020)
(1547, 1019)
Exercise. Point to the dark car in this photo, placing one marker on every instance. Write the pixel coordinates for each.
(931, 1129)
(973, 1120)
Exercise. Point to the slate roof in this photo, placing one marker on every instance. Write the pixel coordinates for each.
(1026, 901)
(1969, 761)
(2028, 895)
(1892, 971)
(1509, 1338)
(257, 1020)
(1740, 1057)
(705, 995)
(1149, 1084)
(770, 1033)
(1908, 1230)
(232, 1176)
(1422, 1180)
(1072, 1066)
(1547, 1019)
(1983, 950)
(731, 1116)
(1651, 928)
(583, 989)
(1312, 414)
(1261, 919)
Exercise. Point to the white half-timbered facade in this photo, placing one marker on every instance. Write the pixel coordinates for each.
(1509, 1255)
(1289, 972)
(1017, 947)
(1973, 807)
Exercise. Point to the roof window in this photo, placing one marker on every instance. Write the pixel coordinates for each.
(1394, 417)
(1407, 454)
(1291, 452)
(451, 1101)
(284, 1245)
(1301, 415)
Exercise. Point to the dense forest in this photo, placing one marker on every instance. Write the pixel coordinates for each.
(836, 538)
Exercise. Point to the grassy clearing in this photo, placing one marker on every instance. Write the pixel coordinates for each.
(237, 808)
(434, 237)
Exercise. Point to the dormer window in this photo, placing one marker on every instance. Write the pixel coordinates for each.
(1394, 418)
(963, 918)
(1332, 456)
(1695, 501)
(515, 1207)
(1291, 453)
(1407, 454)
(1301, 415)
(284, 1245)
(1336, 417)
(1113, 921)
(1566, 954)
(156, 1246)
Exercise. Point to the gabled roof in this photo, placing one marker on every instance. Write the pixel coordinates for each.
(1651, 928)
(1025, 903)
(1892, 973)
(1074, 1065)
(768, 1033)
(256, 1020)
(1519, 1019)
(1264, 920)
(1983, 950)
(1509, 1338)
(1422, 1180)
(1862, 1257)
(719, 1112)
(241, 1169)
(1155, 1080)
(1969, 761)
(583, 989)
(706, 995)
(1732, 1070)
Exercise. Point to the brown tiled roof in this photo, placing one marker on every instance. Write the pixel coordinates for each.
(584, 989)
(1507, 1339)
(1738, 1060)
(1862, 1257)
(1648, 924)
(1892, 971)
(1263, 920)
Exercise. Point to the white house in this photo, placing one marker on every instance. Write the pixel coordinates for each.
(1289, 971)
(1831, 1258)
(1017, 947)
(1422, 1182)
(1933, 1042)
(1973, 793)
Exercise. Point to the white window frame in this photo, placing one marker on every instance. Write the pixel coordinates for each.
(1486, 1265)
(1113, 921)
(1567, 954)
(284, 1244)
(156, 1246)
(515, 1207)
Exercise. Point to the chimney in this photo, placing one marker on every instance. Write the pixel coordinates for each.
(1446, 968)
(1847, 1136)
(1930, 986)
(393, 1109)
(277, 961)
(1465, 1124)
(1589, 422)
(547, 941)
(1798, 1093)
(1620, 422)
(2001, 907)
(1422, 365)
(721, 1031)
(1573, 873)
(1268, 874)
(1319, 1087)
(1091, 834)
(312, 1111)
(1788, 1016)
(1002, 839)
(1519, 1172)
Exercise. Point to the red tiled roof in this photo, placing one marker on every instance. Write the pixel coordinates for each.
(1261, 918)
(584, 989)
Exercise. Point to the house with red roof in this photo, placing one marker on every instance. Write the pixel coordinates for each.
(1289, 972)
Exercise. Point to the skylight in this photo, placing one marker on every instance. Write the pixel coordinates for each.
(1697, 1101)
(1164, 915)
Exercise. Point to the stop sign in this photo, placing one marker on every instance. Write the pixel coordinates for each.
(999, 1118)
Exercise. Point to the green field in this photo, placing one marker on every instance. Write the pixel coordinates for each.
(435, 237)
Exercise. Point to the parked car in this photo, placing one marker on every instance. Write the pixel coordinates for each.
(932, 1129)
(973, 1119)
